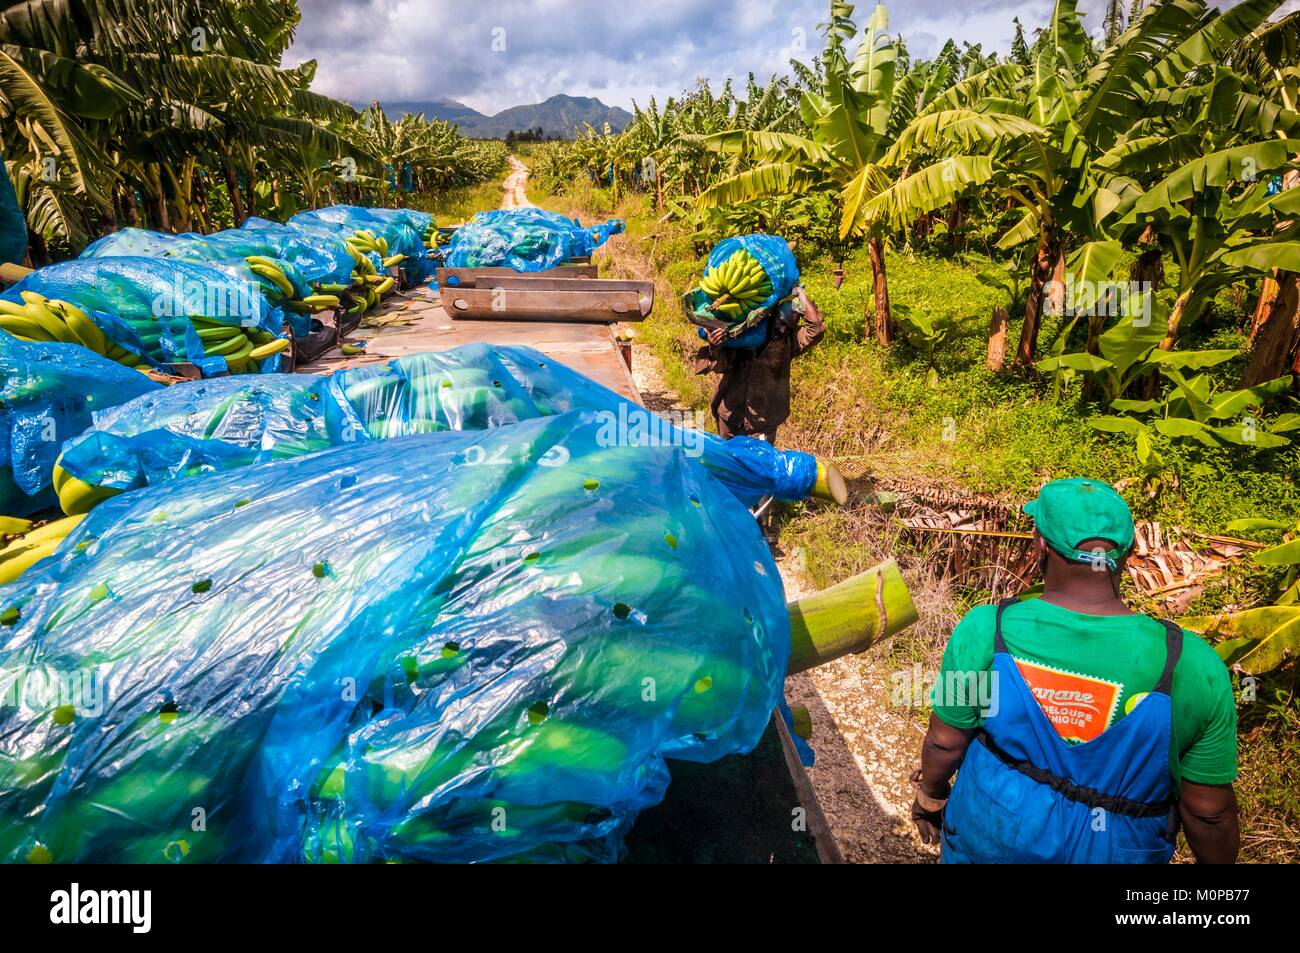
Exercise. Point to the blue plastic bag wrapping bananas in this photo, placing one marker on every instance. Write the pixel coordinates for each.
(452, 647)
(321, 261)
(522, 246)
(583, 240)
(219, 424)
(400, 228)
(772, 252)
(48, 394)
(149, 306)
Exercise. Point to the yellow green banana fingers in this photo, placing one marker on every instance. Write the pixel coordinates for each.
(275, 276)
(14, 526)
(53, 530)
(222, 333)
(737, 285)
(39, 311)
(228, 347)
(24, 327)
(86, 330)
(264, 351)
(77, 496)
(23, 558)
(322, 301)
(392, 260)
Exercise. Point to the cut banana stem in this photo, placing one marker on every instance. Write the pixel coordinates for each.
(848, 617)
(830, 483)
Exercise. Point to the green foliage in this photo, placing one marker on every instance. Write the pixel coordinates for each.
(133, 113)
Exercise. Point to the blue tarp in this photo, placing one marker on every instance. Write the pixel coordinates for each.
(447, 647)
(146, 305)
(48, 394)
(525, 239)
(216, 425)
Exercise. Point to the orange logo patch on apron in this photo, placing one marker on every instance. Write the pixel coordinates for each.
(1080, 706)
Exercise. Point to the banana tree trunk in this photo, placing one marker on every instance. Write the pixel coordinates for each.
(1148, 270)
(161, 219)
(1045, 264)
(997, 350)
(129, 204)
(232, 188)
(1275, 342)
(954, 224)
(1176, 315)
(848, 617)
(884, 323)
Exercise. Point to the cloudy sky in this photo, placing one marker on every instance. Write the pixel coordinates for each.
(492, 54)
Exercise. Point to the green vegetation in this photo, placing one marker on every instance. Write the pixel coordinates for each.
(1124, 201)
(115, 114)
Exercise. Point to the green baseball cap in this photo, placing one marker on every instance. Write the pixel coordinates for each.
(1070, 512)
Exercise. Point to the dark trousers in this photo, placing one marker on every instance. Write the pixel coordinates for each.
(726, 432)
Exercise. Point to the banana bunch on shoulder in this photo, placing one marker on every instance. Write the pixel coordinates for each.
(32, 545)
(48, 319)
(737, 286)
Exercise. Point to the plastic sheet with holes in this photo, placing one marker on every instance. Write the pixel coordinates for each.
(49, 392)
(402, 229)
(220, 424)
(583, 240)
(149, 305)
(452, 647)
(523, 246)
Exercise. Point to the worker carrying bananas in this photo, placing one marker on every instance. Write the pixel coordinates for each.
(1084, 732)
(753, 395)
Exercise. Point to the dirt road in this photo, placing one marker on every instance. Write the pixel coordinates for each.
(514, 195)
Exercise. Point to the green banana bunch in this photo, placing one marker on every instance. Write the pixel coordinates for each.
(46, 319)
(313, 303)
(364, 240)
(33, 546)
(243, 348)
(737, 286)
(270, 270)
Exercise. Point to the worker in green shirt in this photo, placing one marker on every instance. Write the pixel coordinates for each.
(1083, 731)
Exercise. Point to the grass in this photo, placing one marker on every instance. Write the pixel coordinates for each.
(459, 205)
(928, 410)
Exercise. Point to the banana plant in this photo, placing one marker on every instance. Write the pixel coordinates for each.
(1192, 410)
(1256, 641)
(1259, 640)
(1069, 146)
(846, 112)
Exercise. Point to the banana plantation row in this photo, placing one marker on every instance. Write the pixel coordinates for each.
(177, 115)
(1165, 146)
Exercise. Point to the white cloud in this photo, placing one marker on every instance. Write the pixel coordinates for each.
(612, 49)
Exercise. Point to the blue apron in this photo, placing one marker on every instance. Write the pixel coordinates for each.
(1025, 796)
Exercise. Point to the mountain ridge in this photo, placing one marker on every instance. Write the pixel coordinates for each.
(560, 116)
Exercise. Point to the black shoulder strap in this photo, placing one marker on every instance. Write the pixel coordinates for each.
(999, 644)
(1173, 651)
